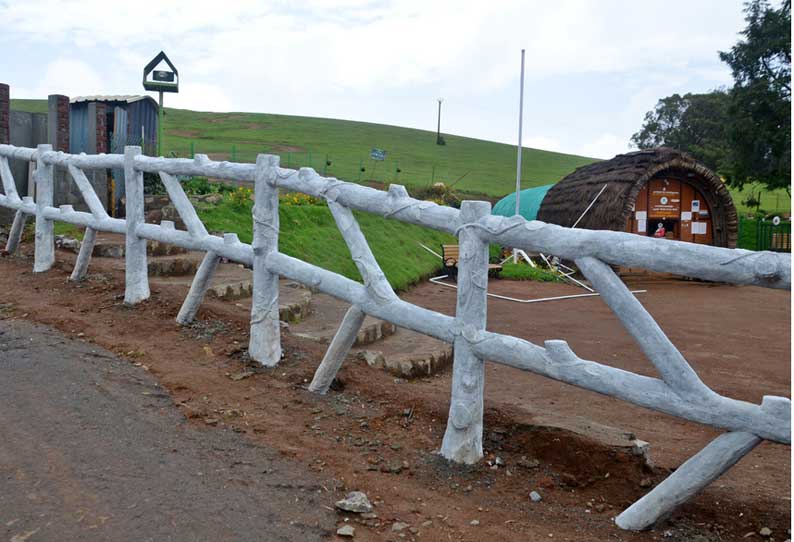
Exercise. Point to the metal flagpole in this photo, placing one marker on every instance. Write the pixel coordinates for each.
(518, 166)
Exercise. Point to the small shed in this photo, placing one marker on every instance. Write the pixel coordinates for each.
(658, 192)
(130, 120)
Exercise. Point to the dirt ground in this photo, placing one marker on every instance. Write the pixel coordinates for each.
(379, 434)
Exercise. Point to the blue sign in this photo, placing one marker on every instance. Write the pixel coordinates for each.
(377, 154)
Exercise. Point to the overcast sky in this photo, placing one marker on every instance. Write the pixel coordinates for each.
(593, 67)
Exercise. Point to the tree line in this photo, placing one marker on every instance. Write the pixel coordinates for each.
(743, 132)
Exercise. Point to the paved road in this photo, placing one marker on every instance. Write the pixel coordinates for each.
(92, 449)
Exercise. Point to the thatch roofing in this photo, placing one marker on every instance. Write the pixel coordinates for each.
(625, 176)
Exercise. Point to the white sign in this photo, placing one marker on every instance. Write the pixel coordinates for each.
(642, 225)
(686, 215)
(695, 205)
(699, 228)
(641, 215)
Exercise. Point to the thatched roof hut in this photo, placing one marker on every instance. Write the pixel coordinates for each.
(650, 191)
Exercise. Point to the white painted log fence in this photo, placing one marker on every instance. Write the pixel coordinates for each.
(679, 392)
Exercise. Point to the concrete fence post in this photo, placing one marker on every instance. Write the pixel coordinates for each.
(136, 287)
(84, 256)
(265, 342)
(198, 288)
(17, 228)
(44, 254)
(463, 437)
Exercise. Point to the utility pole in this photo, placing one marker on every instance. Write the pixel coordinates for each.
(518, 165)
(438, 134)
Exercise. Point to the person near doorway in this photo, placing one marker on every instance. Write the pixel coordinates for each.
(660, 231)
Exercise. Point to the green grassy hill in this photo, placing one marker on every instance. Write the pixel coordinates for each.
(309, 232)
(475, 166)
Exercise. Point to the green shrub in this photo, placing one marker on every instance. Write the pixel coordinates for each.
(299, 198)
(241, 198)
(199, 186)
(522, 271)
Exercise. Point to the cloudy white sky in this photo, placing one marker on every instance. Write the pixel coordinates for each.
(593, 67)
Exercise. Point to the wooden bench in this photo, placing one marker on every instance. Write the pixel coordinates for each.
(450, 254)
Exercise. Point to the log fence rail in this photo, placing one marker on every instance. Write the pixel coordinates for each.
(679, 391)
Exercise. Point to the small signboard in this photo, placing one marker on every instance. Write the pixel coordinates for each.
(161, 80)
(164, 76)
(377, 154)
(665, 200)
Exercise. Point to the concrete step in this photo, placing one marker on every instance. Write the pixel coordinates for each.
(111, 245)
(326, 315)
(174, 266)
(231, 280)
(294, 302)
(407, 354)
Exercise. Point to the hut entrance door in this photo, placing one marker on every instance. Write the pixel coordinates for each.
(678, 206)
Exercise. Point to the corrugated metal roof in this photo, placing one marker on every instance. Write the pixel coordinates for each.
(128, 98)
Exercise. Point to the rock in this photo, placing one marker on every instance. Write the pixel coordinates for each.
(535, 496)
(600, 507)
(346, 530)
(356, 501)
(245, 373)
(765, 531)
(399, 526)
(67, 243)
(645, 482)
(428, 523)
(213, 198)
(474, 522)
(528, 463)
(393, 468)
(569, 480)
(373, 358)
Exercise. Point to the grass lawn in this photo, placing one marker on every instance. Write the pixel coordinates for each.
(309, 232)
(772, 201)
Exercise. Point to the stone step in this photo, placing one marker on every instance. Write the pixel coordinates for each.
(407, 354)
(294, 302)
(111, 245)
(231, 281)
(326, 315)
(172, 266)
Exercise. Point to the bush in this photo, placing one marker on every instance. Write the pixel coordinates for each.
(152, 185)
(439, 193)
(298, 199)
(241, 197)
(200, 186)
(522, 271)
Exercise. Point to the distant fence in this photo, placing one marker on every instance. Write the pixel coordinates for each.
(355, 169)
(764, 234)
(678, 392)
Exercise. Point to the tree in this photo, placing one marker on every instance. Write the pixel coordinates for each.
(760, 111)
(695, 123)
(743, 133)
